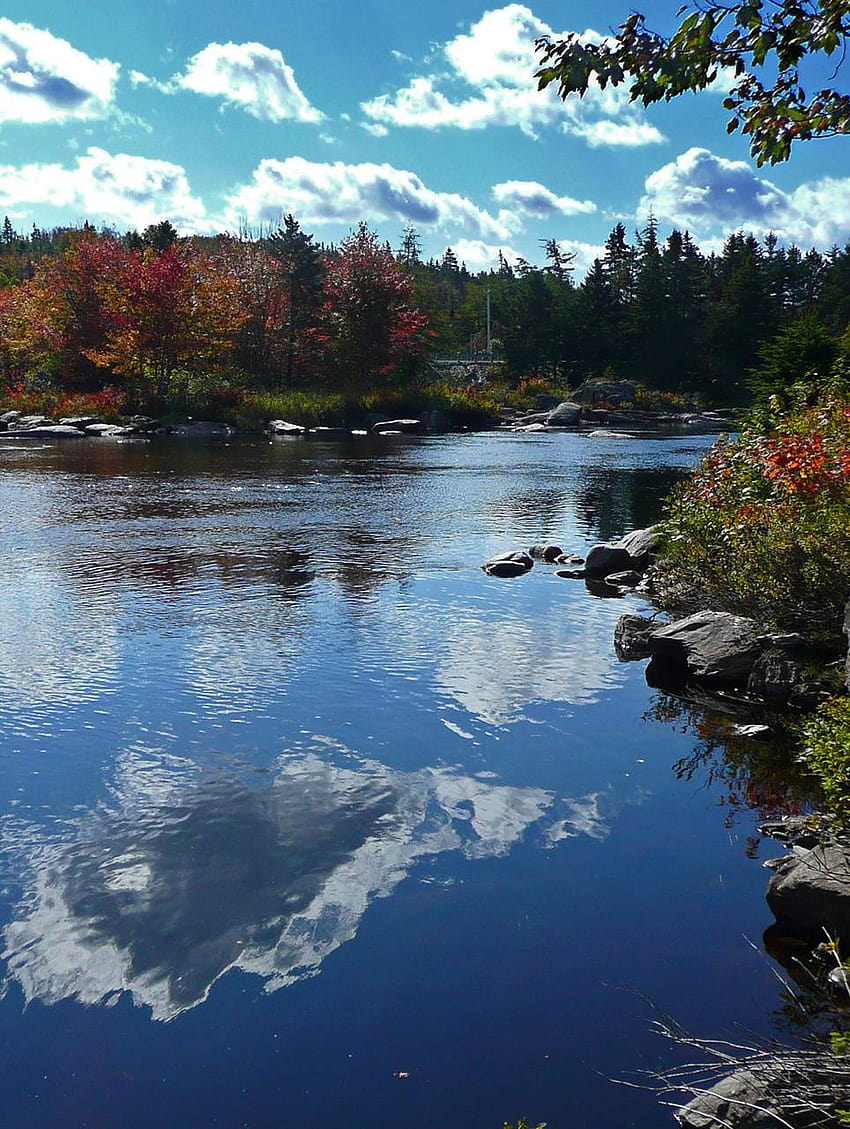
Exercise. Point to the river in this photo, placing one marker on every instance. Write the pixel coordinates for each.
(308, 822)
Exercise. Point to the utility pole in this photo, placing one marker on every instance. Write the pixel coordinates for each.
(489, 339)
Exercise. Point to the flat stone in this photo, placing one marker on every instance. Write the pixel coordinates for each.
(284, 427)
(572, 573)
(405, 426)
(81, 421)
(642, 545)
(627, 579)
(51, 431)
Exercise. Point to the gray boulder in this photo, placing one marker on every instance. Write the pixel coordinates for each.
(112, 431)
(602, 560)
(10, 417)
(567, 414)
(718, 647)
(809, 890)
(631, 637)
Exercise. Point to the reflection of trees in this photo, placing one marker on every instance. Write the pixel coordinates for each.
(756, 775)
(618, 499)
(189, 877)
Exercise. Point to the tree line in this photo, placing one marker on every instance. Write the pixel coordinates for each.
(86, 309)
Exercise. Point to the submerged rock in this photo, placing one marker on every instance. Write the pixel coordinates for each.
(202, 429)
(507, 565)
(548, 553)
(631, 637)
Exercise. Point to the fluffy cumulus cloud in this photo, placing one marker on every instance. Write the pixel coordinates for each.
(45, 79)
(251, 76)
(709, 194)
(488, 80)
(344, 193)
(477, 255)
(533, 199)
(117, 188)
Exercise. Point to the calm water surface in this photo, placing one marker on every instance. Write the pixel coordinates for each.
(295, 799)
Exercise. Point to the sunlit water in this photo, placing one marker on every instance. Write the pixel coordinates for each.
(307, 822)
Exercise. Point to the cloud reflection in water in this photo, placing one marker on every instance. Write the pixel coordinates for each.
(188, 877)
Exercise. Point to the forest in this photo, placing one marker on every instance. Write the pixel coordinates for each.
(147, 319)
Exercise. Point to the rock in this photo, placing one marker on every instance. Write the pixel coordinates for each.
(572, 573)
(202, 429)
(810, 890)
(627, 579)
(530, 427)
(50, 431)
(330, 432)
(741, 1101)
(614, 392)
(569, 558)
(752, 732)
(24, 423)
(778, 679)
(81, 421)
(796, 830)
(515, 563)
(603, 433)
(140, 423)
(10, 417)
(602, 560)
(718, 647)
(545, 402)
(840, 978)
(402, 426)
(631, 637)
(642, 545)
(283, 427)
(112, 431)
(548, 553)
(567, 414)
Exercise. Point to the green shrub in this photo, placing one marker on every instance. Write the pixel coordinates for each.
(825, 751)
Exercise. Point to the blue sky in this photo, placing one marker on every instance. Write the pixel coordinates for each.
(221, 114)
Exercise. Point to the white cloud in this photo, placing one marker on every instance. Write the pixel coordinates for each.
(113, 188)
(478, 255)
(583, 255)
(709, 194)
(533, 199)
(342, 193)
(490, 81)
(45, 79)
(251, 76)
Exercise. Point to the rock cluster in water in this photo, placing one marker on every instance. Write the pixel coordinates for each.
(15, 425)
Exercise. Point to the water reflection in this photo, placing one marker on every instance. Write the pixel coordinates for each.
(186, 877)
(610, 503)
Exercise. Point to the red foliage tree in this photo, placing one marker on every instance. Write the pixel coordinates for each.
(372, 329)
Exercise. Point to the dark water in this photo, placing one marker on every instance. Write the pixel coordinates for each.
(295, 799)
